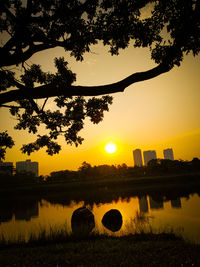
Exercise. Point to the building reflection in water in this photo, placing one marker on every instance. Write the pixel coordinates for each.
(16, 216)
(5, 216)
(25, 210)
(176, 203)
(22, 210)
(143, 204)
(6, 211)
(27, 213)
(155, 203)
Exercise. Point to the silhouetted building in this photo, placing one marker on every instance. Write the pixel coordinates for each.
(27, 167)
(149, 155)
(168, 154)
(143, 204)
(137, 156)
(6, 168)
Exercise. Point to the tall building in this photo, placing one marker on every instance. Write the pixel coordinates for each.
(168, 154)
(149, 155)
(6, 168)
(27, 167)
(137, 156)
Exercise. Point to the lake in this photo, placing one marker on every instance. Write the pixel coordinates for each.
(22, 217)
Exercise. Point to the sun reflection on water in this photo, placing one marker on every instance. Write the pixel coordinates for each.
(139, 214)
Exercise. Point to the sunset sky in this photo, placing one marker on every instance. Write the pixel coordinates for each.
(156, 114)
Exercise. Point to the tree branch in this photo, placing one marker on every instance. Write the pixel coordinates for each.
(44, 104)
(10, 106)
(8, 13)
(16, 58)
(34, 106)
(51, 90)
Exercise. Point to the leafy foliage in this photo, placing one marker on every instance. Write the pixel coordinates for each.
(68, 120)
(5, 142)
(169, 28)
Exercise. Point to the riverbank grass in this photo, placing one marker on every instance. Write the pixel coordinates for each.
(101, 250)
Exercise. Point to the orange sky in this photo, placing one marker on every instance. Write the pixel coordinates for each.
(155, 114)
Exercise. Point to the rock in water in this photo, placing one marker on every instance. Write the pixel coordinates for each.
(82, 221)
(112, 220)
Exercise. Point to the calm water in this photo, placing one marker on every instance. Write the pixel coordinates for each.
(28, 216)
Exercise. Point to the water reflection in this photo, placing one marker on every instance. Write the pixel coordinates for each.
(143, 204)
(19, 208)
(122, 216)
(155, 203)
(30, 211)
(176, 203)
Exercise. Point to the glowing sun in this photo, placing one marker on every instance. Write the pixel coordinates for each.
(110, 147)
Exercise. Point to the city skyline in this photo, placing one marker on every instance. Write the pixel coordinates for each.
(138, 160)
(149, 155)
(26, 166)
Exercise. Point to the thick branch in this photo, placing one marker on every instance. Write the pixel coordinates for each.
(8, 59)
(51, 90)
(10, 106)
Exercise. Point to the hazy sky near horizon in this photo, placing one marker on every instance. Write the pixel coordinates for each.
(155, 114)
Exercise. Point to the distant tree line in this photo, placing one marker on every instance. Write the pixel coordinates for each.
(166, 166)
(155, 167)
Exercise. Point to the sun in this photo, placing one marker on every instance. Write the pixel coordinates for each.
(110, 147)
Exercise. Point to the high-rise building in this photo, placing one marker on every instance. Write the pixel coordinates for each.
(149, 155)
(137, 156)
(6, 168)
(27, 167)
(168, 154)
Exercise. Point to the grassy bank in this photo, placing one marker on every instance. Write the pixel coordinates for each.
(105, 190)
(132, 250)
(105, 182)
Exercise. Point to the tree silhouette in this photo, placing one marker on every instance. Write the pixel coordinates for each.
(171, 30)
(6, 142)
